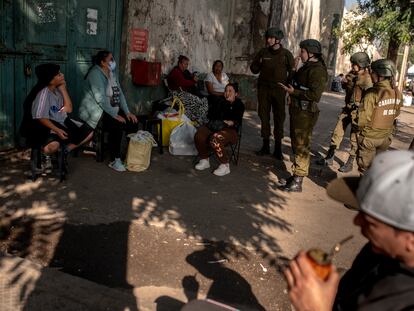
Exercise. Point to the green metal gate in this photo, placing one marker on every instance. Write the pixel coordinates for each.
(66, 32)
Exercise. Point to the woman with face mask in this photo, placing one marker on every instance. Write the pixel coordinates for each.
(103, 101)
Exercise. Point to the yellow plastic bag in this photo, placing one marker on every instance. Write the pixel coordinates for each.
(172, 120)
(138, 156)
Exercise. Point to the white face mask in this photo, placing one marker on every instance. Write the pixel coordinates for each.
(112, 65)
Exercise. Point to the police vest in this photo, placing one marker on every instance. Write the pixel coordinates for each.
(386, 109)
(274, 67)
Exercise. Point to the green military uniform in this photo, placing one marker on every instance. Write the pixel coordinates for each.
(309, 83)
(354, 86)
(274, 66)
(377, 112)
(356, 82)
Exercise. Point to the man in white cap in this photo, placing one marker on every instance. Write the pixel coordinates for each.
(382, 275)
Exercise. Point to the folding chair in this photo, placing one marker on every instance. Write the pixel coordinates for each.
(235, 148)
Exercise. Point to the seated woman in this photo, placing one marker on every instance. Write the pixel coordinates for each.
(220, 131)
(45, 122)
(217, 80)
(180, 79)
(183, 85)
(103, 100)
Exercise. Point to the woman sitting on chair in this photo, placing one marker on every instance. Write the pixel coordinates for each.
(225, 116)
(180, 78)
(45, 122)
(183, 85)
(104, 101)
(217, 80)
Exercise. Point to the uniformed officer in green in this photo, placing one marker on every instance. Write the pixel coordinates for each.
(357, 81)
(308, 84)
(379, 108)
(275, 64)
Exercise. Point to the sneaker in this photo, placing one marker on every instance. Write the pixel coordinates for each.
(117, 165)
(47, 165)
(202, 165)
(222, 170)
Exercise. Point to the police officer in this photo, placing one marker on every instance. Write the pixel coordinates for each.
(357, 81)
(275, 64)
(308, 84)
(379, 108)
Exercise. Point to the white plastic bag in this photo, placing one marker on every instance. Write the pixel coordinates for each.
(182, 140)
(139, 151)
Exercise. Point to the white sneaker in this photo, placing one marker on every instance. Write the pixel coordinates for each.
(203, 164)
(222, 170)
(117, 165)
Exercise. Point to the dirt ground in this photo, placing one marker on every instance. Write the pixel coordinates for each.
(170, 234)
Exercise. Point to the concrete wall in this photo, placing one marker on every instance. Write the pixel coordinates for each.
(231, 30)
(196, 29)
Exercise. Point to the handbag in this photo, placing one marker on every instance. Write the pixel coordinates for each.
(138, 156)
(172, 118)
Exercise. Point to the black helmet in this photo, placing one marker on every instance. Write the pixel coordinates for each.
(274, 32)
(311, 45)
(361, 59)
(384, 68)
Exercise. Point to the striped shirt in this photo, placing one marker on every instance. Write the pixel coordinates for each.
(47, 105)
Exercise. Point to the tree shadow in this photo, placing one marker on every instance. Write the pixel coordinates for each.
(227, 286)
(36, 241)
(122, 230)
(91, 222)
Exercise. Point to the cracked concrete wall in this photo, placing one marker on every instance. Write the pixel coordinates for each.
(197, 29)
(299, 20)
(229, 30)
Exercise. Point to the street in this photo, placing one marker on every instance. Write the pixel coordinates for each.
(103, 240)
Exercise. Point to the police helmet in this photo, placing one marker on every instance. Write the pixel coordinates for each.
(311, 45)
(361, 59)
(274, 32)
(384, 67)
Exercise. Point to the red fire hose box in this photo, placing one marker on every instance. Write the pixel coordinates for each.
(145, 73)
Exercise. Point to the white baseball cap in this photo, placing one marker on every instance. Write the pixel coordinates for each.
(385, 192)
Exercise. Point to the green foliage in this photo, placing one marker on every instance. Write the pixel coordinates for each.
(376, 22)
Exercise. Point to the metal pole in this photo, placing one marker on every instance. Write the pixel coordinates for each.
(403, 70)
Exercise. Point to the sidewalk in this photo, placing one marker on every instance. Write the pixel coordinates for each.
(104, 240)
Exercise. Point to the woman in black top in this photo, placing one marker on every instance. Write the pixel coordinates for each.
(225, 117)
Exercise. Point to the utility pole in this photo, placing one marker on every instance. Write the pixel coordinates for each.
(403, 70)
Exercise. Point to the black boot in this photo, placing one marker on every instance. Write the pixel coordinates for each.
(348, 166)
(328, 160)
(265, 148)
(295, 185)
(277, 153)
